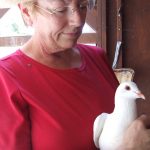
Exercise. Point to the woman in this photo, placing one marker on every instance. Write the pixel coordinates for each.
(52, 88)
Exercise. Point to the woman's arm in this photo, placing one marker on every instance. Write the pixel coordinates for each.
(14, 116)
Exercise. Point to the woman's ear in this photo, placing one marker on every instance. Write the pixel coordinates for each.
(26, 15)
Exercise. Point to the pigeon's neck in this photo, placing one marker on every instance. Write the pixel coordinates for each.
(126, 108)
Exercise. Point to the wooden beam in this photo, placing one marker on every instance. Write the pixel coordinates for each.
(3, 11)
(101, 23)
(91, 18)
(20, 40)
(13, 41)
(119, 32)
(88, 38)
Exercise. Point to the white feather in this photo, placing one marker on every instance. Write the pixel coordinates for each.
(98, 127)
(108, 131)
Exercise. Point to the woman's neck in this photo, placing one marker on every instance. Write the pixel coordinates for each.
(63, 59)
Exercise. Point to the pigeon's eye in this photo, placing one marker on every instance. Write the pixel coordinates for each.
(127, 88)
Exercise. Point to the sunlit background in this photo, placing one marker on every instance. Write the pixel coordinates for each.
(12, 24)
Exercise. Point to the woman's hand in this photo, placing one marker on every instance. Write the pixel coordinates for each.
(137, 136)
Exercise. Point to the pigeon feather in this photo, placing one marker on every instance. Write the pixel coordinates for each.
(108, 129)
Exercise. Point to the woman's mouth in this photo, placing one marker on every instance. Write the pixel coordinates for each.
(72, 34)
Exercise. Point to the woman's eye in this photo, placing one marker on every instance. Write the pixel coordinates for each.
(83, 6)
(61, 10)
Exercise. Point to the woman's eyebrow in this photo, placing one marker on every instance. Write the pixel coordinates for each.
(63, 1)
(53, 0)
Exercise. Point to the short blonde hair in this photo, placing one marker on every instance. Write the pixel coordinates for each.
(25, 3)
(30, 6)
(20, 1)
(30, 2)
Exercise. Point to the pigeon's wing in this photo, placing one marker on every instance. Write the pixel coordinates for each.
(98, 127)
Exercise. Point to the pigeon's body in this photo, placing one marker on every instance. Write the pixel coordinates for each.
(109, 128)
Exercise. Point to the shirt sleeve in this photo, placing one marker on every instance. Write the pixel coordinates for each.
(14, 116)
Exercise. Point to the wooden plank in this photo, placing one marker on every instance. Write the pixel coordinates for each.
(3, 11)
(101, 23)
(89, 38)
(91, 18)
(119, 32)
(119, 20)
(136, 43)
(13, 41)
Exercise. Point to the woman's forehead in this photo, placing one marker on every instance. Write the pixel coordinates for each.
(65, 1)
(56, 3)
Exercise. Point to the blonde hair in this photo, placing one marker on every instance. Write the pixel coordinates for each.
(20, 1)
(29, 3)
(25, 3)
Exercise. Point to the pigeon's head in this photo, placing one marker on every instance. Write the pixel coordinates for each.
(129, 90)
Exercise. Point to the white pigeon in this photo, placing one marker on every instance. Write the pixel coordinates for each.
(108, 129)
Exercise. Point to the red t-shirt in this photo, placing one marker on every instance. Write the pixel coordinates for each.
(43, 108)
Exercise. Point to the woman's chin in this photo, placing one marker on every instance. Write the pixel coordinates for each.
(69, 44)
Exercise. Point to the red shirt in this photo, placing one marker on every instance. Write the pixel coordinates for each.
(42, 108)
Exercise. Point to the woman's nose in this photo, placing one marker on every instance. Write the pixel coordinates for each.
(76, 18)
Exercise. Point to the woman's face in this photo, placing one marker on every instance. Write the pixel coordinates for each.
(61, 28)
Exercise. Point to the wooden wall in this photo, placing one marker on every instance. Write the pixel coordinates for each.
(136, 32)
(136, 41)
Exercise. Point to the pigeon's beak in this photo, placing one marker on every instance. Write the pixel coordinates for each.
(140, 95)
